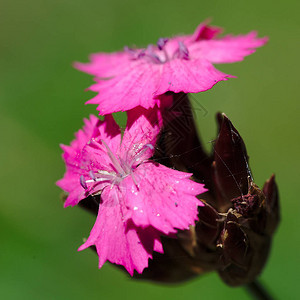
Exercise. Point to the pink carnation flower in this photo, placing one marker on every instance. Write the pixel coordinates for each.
(181, 64)
(140, 199)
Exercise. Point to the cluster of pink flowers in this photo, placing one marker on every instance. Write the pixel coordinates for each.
(142, 200)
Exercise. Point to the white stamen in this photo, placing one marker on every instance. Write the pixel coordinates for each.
(113, 159)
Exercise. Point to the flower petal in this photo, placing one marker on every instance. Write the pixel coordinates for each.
(142, 129)
(136, 77)
(82, 157)
(189, 76)
(128, 89)
(104, 65)
(84, 135)
(118, 241)
(165, 198)
(205, 32)
(228, 49)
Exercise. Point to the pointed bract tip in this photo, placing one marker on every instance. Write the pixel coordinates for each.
(231, 170)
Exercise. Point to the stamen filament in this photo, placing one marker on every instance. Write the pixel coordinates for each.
(134, 180)
(113, 159)
(98, 180)
(166, 55)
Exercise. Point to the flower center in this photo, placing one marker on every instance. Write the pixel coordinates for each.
(122, 168)
(158, 54)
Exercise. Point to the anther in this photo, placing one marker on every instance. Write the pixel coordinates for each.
(82, 182)
(92, 175)
(149, 146)
(152, 55)
(141, 153)
(183, 50)
(161, 43)
(129, 50)
(142, 53)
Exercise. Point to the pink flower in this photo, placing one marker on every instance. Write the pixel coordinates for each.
(181, 64)
(140, 199)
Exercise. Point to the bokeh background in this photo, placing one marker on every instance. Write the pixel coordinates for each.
(41, 105)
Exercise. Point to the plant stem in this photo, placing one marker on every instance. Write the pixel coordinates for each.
(258, 291)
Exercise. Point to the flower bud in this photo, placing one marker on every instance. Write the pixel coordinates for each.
(234, 232)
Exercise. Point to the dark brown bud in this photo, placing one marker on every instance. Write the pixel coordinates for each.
(233, 241)
(208, 227)
(245, 256)
(272, 205)
(235, 227)
(230, 166)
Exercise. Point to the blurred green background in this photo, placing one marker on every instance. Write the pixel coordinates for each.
(41, 105)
